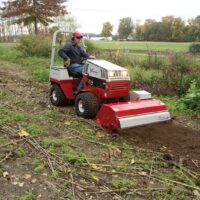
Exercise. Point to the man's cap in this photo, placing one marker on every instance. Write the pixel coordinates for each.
(77, 34)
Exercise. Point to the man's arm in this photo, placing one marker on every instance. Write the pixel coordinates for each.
(83, 53)
(63, 51)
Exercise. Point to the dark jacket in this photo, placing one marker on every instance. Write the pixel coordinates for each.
(72, 51)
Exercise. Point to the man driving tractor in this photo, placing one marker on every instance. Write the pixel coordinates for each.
(106, 91)
(73, 55)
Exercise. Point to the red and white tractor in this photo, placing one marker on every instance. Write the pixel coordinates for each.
(106, 95)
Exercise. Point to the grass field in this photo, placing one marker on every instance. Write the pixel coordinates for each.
(134, 46)
(142, 46)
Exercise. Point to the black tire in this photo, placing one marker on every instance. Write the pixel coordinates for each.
(57, 96)
(86, 105)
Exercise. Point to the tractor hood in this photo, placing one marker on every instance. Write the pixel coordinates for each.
(105, 70)
(106, 65)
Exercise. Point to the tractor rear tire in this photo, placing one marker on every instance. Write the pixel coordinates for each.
(86, 105)
(57, 96)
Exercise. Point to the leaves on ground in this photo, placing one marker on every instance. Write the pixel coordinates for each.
(68, 123)
(22, 133)
(93, 166)
(100, 134)
(95, 178)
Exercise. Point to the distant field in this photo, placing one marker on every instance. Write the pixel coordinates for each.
(134, 46)
(142, 46)
(8, 44)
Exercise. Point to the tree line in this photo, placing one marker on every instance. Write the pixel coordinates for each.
(170, 28)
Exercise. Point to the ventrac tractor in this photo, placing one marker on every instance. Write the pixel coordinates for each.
(106, 95)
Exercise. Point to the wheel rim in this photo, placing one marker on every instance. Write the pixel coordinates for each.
(80, 106)
(54, 96)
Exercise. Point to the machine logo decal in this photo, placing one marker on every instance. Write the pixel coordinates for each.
(93, 71)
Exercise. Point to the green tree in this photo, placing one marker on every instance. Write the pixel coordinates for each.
(167, 23)
(125, 27)
(178, 30)
(28, 12)
(107, 29)
(194, 29)
(139, 32)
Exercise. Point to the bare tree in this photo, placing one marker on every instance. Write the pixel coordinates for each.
(67, 23)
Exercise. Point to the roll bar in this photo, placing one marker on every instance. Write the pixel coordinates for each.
(54, 45)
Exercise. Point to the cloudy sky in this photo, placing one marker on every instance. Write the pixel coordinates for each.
(91, 14)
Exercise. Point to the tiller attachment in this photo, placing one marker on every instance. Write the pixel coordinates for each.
(131, 114)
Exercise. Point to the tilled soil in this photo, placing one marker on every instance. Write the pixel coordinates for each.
(169, 137)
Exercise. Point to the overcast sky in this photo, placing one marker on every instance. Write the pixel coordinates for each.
(91, 14)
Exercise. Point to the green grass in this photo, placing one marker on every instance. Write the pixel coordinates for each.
(28, 196)
(34, 129)
(142, 46)
(37, 67)
(8, 44)
(20, 152)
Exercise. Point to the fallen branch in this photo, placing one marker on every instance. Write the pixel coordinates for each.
(12, 143)
(117, 195)
(110, 165)
(113, 172)
(130, 190)
(196, 164)
(151, 170)
(6, 157)
(50, 165)
(73, 189)
(49, 155)
(154, 176)
(176, 182)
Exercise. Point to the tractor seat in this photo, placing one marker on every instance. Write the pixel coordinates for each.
(74, 75)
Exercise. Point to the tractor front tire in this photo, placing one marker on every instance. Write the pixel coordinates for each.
(57, 96)
(86, 105)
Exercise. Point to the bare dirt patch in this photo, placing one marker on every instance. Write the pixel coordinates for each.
(166, 137)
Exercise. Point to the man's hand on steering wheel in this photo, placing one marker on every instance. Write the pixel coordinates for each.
(92, 57)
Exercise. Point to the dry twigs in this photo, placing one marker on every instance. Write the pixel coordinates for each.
(73, 189)
(49, 155)
(8, 155)
(131, 190)
(13, 142)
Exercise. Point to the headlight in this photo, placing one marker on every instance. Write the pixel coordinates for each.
(124, 73)
(111, 73)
